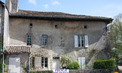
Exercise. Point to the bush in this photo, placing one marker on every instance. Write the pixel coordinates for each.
(104, 64)
(119, 63)
(65, 62)
(114, 54)
(1, 67)
(73, 65)
(42, 71)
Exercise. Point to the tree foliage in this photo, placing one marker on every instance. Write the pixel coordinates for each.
(116, 33)
(115, 37)
(65, 62)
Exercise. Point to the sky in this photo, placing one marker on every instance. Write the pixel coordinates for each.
(106, 8)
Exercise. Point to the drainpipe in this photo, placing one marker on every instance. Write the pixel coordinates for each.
(29, 63)
(3, 62)
(2, 32)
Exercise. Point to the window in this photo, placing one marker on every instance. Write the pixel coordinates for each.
(29, 39)
(41, 62)
(44, 40)
(80, 41)
(44, 62)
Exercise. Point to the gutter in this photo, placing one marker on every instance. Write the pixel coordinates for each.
(108, 20)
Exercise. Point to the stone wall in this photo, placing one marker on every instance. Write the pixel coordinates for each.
(23, 61)
(6, 28)
(90, 71)
(60, 39)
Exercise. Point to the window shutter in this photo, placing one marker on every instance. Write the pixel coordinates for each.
(37, 62)
(79, 61)
(76, 41)
(86, 41)
(83, 62)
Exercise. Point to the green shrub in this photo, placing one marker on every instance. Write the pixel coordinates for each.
(65, 62)
(1, 67)
(73, 65)
(25, 69)
(104, 64)
(114, 54)
(119, 63)
(47, 71)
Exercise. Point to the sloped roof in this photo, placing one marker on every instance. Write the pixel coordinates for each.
(17, 49)
(1, 2)
(57, 15)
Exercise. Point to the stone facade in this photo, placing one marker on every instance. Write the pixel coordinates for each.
(23, 61)
(60, 30)
(60, 40)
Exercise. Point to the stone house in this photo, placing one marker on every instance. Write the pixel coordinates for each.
(41, 39)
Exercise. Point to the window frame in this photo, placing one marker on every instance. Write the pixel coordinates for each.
(44, 43)
(30, 39)
(44, 63)
(81, 42)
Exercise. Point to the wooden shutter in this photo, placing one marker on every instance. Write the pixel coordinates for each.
(86, 41)
(79, 61)
(76, 41)
(83, 62)
(37, 62)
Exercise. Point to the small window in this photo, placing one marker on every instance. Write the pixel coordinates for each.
(44, 62)
(44, 40)
(80, 41)
(29, 39)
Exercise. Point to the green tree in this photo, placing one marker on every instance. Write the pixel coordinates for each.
(115, 37)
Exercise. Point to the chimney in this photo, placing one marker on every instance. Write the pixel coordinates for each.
(12, 5)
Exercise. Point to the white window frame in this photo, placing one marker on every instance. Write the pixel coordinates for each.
(44, 62)
(81, 41)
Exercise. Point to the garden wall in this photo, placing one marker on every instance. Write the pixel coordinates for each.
(90, 71)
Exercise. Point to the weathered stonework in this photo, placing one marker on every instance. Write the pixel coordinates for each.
(60, 40)
(23, 61)
(60, 29)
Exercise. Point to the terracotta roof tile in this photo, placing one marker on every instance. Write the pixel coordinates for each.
(55, 15)
(17, 49)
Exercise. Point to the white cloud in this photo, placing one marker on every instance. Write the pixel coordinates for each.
(55, 3)
(32, 2)
(46, 5)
